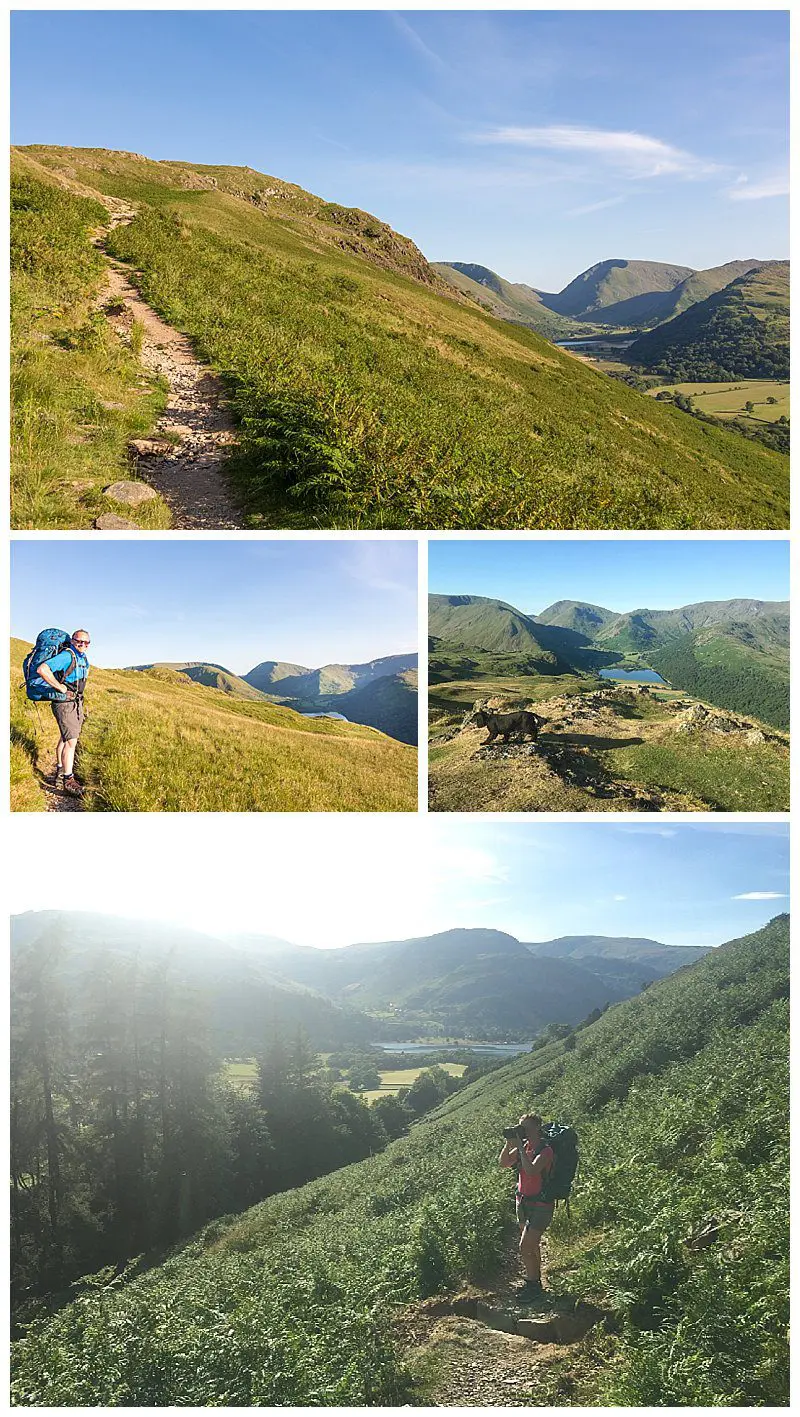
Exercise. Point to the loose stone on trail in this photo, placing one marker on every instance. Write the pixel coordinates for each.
(133, 494)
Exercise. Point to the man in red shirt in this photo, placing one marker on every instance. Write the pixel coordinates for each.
(532, 1158)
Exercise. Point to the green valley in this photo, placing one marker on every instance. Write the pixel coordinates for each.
(367, 1287)
(365, 391)
(701, 723)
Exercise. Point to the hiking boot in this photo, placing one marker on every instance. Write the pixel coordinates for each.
(56, 777)
(72, 787)
(529, 1292)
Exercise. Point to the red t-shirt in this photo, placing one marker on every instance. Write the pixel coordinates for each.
(528, 1185)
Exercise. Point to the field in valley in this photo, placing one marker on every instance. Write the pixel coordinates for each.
(769, 397)
(158, 742)
(243, 1073)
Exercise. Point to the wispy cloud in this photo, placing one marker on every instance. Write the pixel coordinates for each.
(417, 42)
(619, 897)
(744, 190)
(595, 206)
(382, 566)
(634, 155)
(760, 895)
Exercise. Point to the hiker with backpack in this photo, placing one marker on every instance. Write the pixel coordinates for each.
(546, 1159)
(56, 671)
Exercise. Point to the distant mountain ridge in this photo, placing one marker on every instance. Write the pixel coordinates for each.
(391, 706)
(480, 622)
(732, 653)
(478, 982)
(613, 293)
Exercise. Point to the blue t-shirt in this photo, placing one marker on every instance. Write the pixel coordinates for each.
(77, 668)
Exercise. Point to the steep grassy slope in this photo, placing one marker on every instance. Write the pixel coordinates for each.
(740, 332)
(700, 284)
(478, 622)
(158, 742)
(389, 703)
(78, 395)
(678, 1231)
(365, 398)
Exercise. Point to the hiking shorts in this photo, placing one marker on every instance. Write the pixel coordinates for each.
(537, 1214)
(69, 716)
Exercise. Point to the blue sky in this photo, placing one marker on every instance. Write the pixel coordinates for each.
(314, 882)
(617, 574)
(233, 603)
(533, 143)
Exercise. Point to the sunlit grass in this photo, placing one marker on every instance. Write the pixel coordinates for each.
(161, 743)
(367, 399)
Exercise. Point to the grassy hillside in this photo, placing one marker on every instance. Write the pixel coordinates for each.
(617, 292)
(78, 395)
(732, 653)
(678, 1233)
(728, 671)
(389, 703)
(478, 622)
(157, 742)
(700, 284)
(366, 398)
(740, 332)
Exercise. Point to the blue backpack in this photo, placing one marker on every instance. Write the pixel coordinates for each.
(49, 643)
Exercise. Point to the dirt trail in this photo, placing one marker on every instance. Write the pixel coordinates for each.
(184, 463)
(482, 1349)
(59, 801)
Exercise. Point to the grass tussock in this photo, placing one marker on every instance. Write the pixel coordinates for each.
(366, 398)
(161, 743)
(78, 394)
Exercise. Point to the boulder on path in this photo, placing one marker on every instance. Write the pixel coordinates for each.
(755, 736)
(111, 522)
(133, 494)
(150, 447)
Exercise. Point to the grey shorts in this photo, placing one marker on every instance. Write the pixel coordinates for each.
(69, 715)
(537, 1214)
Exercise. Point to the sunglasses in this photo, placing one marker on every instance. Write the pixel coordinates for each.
(81, 642)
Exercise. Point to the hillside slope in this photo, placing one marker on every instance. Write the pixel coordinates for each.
(367, 397)
(478, 622)
(159, 742)
(678, 1233)
(390, 703)
(741, 332)
(617, 292)
(214, 676)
